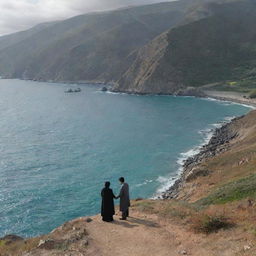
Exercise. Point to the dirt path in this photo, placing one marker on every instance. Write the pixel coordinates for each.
(141, 235)
(149, 236)
(138, 236)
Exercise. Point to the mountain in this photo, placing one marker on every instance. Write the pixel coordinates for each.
(215, 48)
(96, 46)
(161, 48)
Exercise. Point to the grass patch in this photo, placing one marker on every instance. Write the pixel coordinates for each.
(146, 206)
(232, 191)
(169, 209)
(177, 210)
(246, 85)
(209, 223)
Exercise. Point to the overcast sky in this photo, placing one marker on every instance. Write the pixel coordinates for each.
(16, 15)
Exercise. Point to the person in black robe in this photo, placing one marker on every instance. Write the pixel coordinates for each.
(107, 206)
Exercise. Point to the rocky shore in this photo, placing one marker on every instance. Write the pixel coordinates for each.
(219, 143)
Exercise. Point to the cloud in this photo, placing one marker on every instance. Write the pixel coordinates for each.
(19, 15)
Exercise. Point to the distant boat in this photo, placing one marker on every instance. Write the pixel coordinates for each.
(72, 91)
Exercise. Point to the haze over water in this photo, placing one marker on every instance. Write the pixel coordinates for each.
(57, 149)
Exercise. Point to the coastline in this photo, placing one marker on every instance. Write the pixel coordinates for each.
(232, 97)
(216, 142)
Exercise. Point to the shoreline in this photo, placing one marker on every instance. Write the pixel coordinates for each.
(232, 97)
(225, 96)
(217, 144)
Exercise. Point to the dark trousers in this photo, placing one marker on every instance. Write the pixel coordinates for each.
(125, 214)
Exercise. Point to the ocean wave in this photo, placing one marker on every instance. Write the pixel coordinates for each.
(144, 183)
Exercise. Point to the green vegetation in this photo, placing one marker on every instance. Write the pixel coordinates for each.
(146, 206)
(125, 45)
(167, 209)
(209, 223)
(245, 85)
(98, 46)
(232, 191)
(225, 52)
(253, 94)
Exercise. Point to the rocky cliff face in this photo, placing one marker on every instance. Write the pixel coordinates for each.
(142, 76)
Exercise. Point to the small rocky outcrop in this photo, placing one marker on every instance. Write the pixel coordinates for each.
(191, 91)
(11, 238)
(104, 89)
(195, 173)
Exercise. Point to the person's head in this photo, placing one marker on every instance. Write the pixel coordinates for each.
(121, 179)
(107, 184)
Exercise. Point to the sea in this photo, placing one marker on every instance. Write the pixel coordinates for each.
(57, 149)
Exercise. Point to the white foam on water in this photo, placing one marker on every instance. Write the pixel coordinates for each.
(230, 102)
(144, 183)
(167, 182)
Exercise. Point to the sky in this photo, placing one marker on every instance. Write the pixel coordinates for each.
(17, 15)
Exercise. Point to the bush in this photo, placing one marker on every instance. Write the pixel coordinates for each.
(208, 224)
(252, 94)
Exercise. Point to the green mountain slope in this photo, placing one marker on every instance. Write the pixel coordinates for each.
(216, 48)
(97, 46)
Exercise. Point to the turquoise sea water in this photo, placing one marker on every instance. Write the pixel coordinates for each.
(57, 149)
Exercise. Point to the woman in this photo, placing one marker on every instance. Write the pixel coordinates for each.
(107, 206)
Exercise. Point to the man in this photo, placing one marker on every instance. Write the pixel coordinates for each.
(124, 199)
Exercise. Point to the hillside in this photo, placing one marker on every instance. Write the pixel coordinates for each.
(213, 212)
(219, 47)
(95, 46)
(102, 46)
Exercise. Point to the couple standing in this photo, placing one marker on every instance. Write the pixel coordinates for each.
(108, 207)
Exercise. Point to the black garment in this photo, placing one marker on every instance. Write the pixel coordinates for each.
(107, 206)
(125, 214)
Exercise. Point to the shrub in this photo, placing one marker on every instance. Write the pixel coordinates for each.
(208, 224)
(252, 94)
